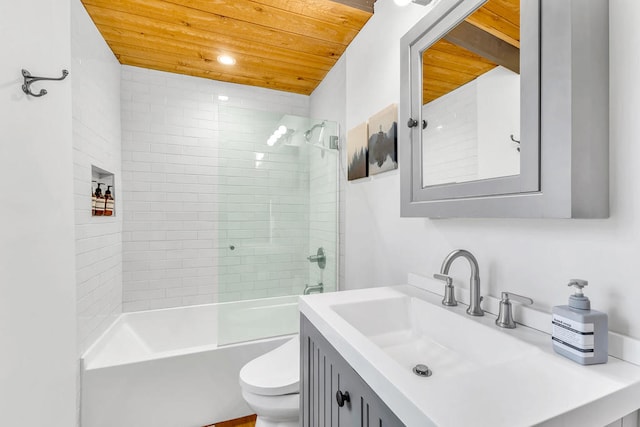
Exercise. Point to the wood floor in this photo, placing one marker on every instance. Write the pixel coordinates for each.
(249, 421)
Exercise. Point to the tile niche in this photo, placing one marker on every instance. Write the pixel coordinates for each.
(102, 192)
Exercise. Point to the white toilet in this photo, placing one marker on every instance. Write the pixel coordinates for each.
(271, 386)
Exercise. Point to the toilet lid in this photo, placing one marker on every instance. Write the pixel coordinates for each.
(274, 373)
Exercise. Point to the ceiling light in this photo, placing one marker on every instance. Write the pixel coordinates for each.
(280, 131)
(223, 98)
(226, 60)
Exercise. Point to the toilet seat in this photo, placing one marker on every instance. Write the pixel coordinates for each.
(275, 373)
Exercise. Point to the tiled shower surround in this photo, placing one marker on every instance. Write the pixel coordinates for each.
(211, 212)
(96, 141)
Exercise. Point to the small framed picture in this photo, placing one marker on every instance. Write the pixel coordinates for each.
(383, 141)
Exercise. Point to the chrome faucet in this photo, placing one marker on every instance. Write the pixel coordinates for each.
(308, 290)
(474, 283)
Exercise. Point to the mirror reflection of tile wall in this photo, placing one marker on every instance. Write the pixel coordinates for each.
(469, 130)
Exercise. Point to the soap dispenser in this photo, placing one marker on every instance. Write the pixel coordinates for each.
(579, 333)
(99, 200)
(108, 202)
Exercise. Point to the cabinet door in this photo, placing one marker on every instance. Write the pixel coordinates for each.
(557, 68)
(324, 374)
(365, 408)
(349, 414)
(318, 377)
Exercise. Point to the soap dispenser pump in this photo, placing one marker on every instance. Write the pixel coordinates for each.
(579, 333)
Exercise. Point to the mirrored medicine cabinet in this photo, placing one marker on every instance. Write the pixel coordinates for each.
(504, 110)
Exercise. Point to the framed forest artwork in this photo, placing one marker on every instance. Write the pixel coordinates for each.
(357, 152)
(383, 141)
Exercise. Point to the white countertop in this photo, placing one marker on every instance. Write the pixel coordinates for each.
(542, 388)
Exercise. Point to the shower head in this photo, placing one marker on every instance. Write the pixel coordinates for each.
(307, 134)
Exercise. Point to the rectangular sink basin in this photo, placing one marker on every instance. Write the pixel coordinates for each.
(502, 378)
(413, 331)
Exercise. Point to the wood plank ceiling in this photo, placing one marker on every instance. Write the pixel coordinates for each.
(453, 61)
(287, 45)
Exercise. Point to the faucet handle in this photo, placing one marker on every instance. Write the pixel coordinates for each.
(510, 295)
(447, 279)
(319, 257)
(505, 315)
(449, 297)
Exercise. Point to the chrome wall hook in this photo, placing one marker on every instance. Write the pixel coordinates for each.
(28, 79)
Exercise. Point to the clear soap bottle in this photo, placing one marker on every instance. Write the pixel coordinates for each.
(579, 333)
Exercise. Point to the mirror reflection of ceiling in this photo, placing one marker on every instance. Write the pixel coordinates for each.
(485, 39)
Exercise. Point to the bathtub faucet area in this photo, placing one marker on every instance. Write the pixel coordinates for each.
(308, 290)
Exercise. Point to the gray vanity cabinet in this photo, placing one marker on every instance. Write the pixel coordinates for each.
(326, 380)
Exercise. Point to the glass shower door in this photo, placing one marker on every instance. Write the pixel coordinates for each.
(277, 204)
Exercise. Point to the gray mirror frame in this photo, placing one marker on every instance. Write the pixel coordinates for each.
(572, 120)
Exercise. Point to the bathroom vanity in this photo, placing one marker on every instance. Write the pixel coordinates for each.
(367, 343)
(333, 393)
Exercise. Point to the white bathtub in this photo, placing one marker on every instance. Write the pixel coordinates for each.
(179, 367)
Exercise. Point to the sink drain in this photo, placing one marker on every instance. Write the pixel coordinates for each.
(422, 370)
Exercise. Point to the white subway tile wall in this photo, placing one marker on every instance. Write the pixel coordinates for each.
(95, 80)
(264, 207)
(187, 193)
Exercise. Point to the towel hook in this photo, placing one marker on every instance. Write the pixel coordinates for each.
(516, 141)
(28, 79)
